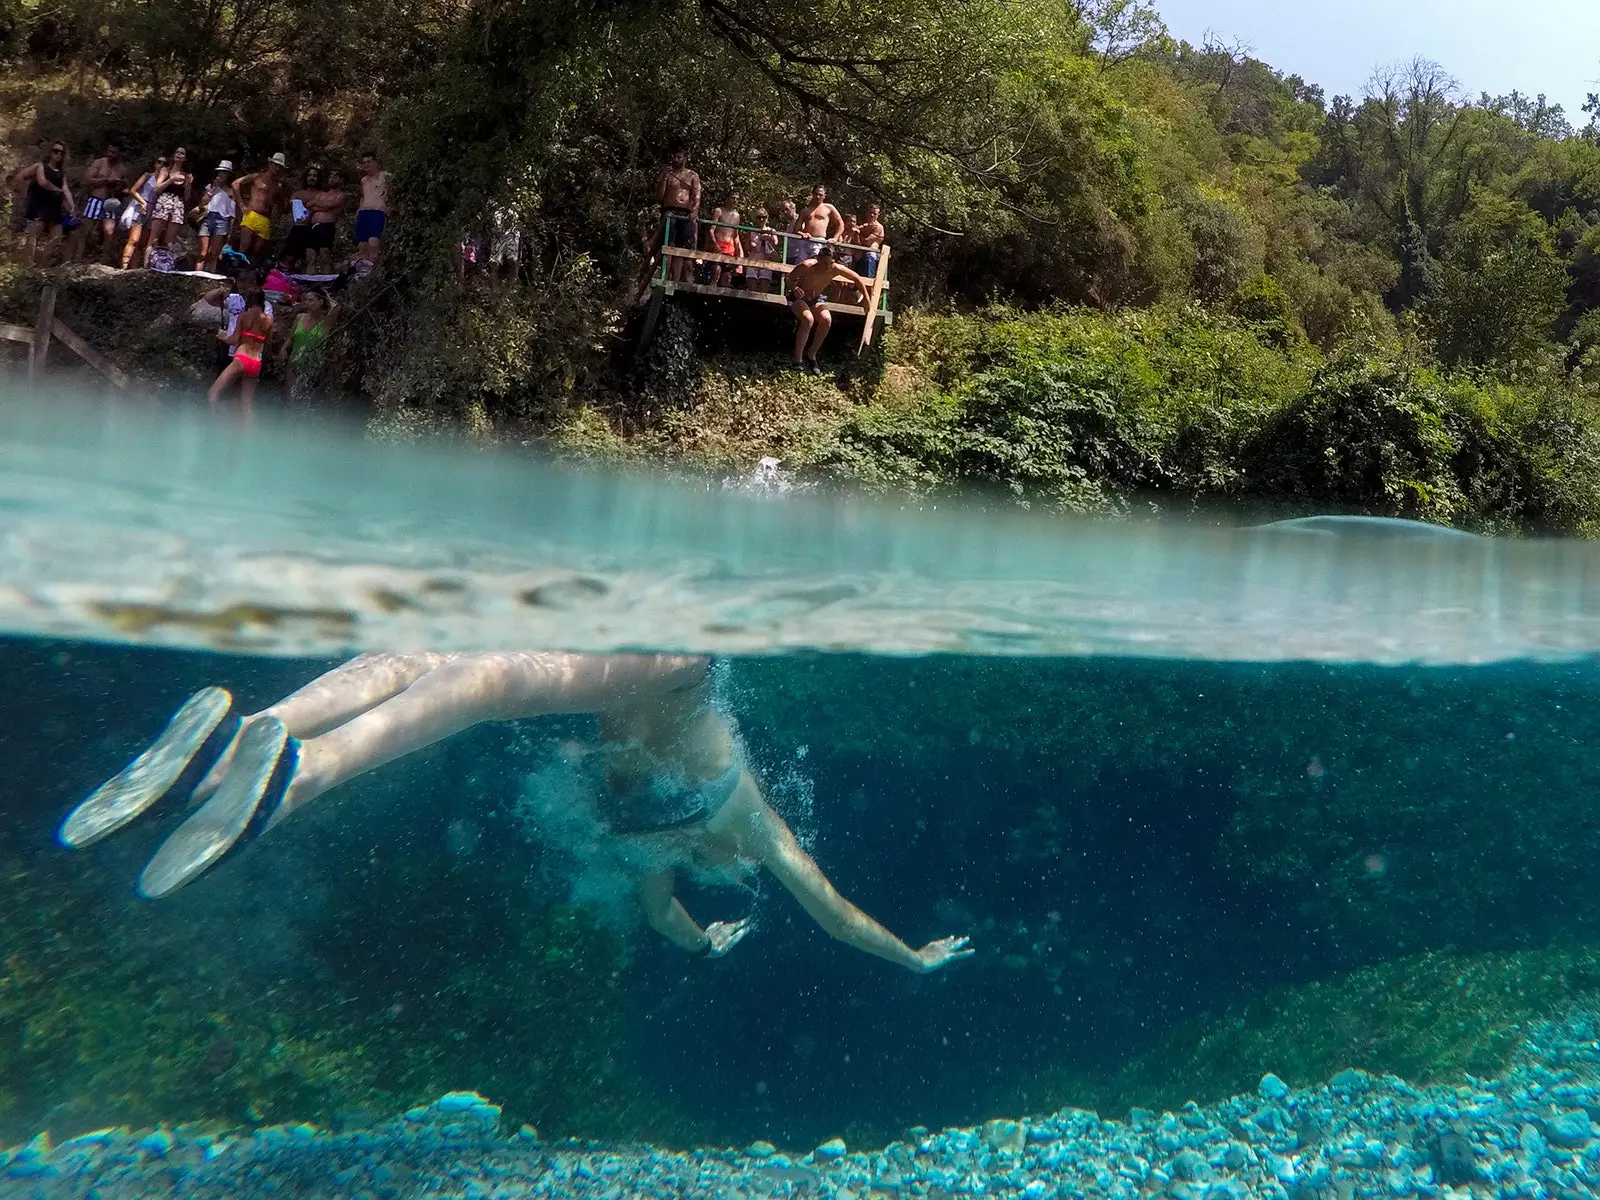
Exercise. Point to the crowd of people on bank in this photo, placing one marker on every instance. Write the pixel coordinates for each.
(823, 251)
(166, 218)
(275, 249)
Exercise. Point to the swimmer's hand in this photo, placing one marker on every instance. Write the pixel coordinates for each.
(946, 950)
(725, 935)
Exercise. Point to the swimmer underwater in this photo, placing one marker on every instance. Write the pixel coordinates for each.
(678, 797)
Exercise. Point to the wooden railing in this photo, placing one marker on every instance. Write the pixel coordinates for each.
(48, 324)
(876, 303)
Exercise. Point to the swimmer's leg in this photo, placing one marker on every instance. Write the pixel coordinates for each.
(271, 774)
(262, 764)
(200, 729)
(469, 689)
(333, 698)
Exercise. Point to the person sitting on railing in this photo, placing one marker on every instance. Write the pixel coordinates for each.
(818, 223)
(761, 243)
(678, 193)
(723, 237)
(808, 298)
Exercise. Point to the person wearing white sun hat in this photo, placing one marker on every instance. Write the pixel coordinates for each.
(218, 213)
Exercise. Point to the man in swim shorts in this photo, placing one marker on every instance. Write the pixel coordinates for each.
(678, 193)
(373, 215)
(870, 233)
(326, 210)
(808, 300)
(106, 180)
(268, 192)
(818, 223)
(679, 792)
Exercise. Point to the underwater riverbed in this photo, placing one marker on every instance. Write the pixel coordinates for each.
(1210, 804)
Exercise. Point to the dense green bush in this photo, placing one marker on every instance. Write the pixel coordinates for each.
(1081, 411)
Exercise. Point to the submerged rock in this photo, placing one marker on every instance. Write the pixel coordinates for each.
(1272, 1089)
(1510, 1138)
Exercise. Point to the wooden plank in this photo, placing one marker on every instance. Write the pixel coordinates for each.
(41, 331)
(760, 264)
(706, 289)
(16, 333)
(89, 354)
(653, 314)
(879, 282)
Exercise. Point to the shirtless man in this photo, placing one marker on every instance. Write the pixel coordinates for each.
(298, 247)
(373, 215)
(819, 222)
(677, 791)
(723, 236)
(268, 191)
(678, 193)
(869, 233)
(106, 180)
(326, 209)
(808, 299)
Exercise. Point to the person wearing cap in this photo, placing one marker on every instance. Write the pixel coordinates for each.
(216, 220)
(268, 191)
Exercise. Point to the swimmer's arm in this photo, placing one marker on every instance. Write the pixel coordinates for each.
(781, 854)
(666, 914)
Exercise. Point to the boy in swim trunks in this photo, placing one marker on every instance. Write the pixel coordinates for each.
(723, 237)
(678, 193)
(373, 215)
(268, 190)
(808, 300)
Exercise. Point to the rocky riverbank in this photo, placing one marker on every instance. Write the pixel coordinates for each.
(1530, 1133)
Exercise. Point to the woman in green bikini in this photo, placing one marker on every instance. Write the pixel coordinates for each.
(306, 336)
(679, 795)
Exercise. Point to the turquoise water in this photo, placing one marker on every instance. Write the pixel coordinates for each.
(1210, 802)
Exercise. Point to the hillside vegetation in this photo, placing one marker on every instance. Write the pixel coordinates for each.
(1131, 266)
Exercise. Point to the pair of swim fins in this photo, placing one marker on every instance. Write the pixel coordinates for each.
(198, 735)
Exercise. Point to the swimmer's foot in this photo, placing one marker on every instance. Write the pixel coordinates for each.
(198, 733)
(263, 763)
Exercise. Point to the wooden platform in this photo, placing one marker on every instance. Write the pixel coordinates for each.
(705, 289)
(875, 309)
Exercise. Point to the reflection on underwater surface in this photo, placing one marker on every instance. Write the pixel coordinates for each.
(1178, 875)
(141, 524)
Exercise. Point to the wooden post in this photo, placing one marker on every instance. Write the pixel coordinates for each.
(89, 354)
(41, 330)
(657, 295)
(873, 298)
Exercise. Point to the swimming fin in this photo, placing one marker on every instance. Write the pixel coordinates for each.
(198, 731)
(250, 792)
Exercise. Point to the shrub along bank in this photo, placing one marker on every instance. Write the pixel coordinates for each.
(1080, 410)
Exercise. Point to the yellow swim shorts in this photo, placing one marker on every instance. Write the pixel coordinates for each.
(257, 224)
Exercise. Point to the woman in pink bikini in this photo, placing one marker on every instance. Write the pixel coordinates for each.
(249, 337)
